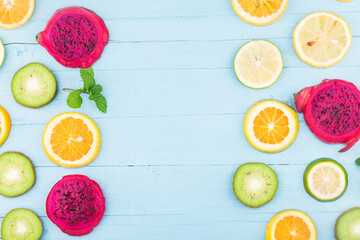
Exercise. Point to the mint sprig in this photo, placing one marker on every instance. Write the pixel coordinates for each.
(90, 87)
(357, 161)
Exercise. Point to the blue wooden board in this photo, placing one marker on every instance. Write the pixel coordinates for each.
(172, 137)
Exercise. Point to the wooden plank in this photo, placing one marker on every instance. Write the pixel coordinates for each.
(162, 201)
(221, 28)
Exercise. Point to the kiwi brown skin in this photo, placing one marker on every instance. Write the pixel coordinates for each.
(242, 201)
(32, 167)
(56, 87)
(337, 221)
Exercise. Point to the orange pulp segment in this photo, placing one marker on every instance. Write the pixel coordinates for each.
(271, 126)
(260, 8)
(292, 228)
(71, 139)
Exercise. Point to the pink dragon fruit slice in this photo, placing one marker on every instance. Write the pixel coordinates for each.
(76, 205)
(332, 111)
(75, 37)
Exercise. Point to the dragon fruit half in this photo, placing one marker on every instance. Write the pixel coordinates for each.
(75, 37)
(332, 111)
(76, 205)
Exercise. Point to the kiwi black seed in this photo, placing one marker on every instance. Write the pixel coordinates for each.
(34, 85)
(21, 224)
(348, 225)
(255, 184)
(17, 174)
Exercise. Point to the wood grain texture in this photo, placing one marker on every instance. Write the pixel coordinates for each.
(172, 137)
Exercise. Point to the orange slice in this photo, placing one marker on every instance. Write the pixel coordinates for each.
(291, 225)
(271, 126)
(71, 140)
(15, 13)
(260, 12)
(5, 125)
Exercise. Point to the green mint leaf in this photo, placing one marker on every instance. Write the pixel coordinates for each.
(100, 102)
(97, 89)
(357, 161)
(91, 71)
(91, 96)
(87, 76)
(94, 90)
(74, 99)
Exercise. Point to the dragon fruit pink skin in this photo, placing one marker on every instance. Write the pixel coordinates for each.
(332, 111)
(75, 37)
(76, 205)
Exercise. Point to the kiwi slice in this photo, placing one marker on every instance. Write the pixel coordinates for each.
(348, 225)
(255, 184)
(34, 85)
(21, 224)
(17, 174)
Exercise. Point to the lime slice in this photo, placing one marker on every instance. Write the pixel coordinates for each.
(258, 64)
(325, 179)
(322, 39)
(2, 53)
(270, 126)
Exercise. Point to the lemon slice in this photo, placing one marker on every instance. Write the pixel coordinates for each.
(2, 53)
(259, 12)
(15, 13)
(325, 179)
(258, 64)
(270, 126)
(322, 39)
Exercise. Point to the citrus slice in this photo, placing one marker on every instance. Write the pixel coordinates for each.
(259, 12)
(71, 140)
(325, 179)
(258, 64)
(2, 53)
(270, 126)
(322, 39)
(291, 224)
(5, 125)
(15, 13)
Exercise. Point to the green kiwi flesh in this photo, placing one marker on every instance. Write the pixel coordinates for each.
(21, 224)
(255, 184)
(17, 174)
(348, 225)
(34, 85)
